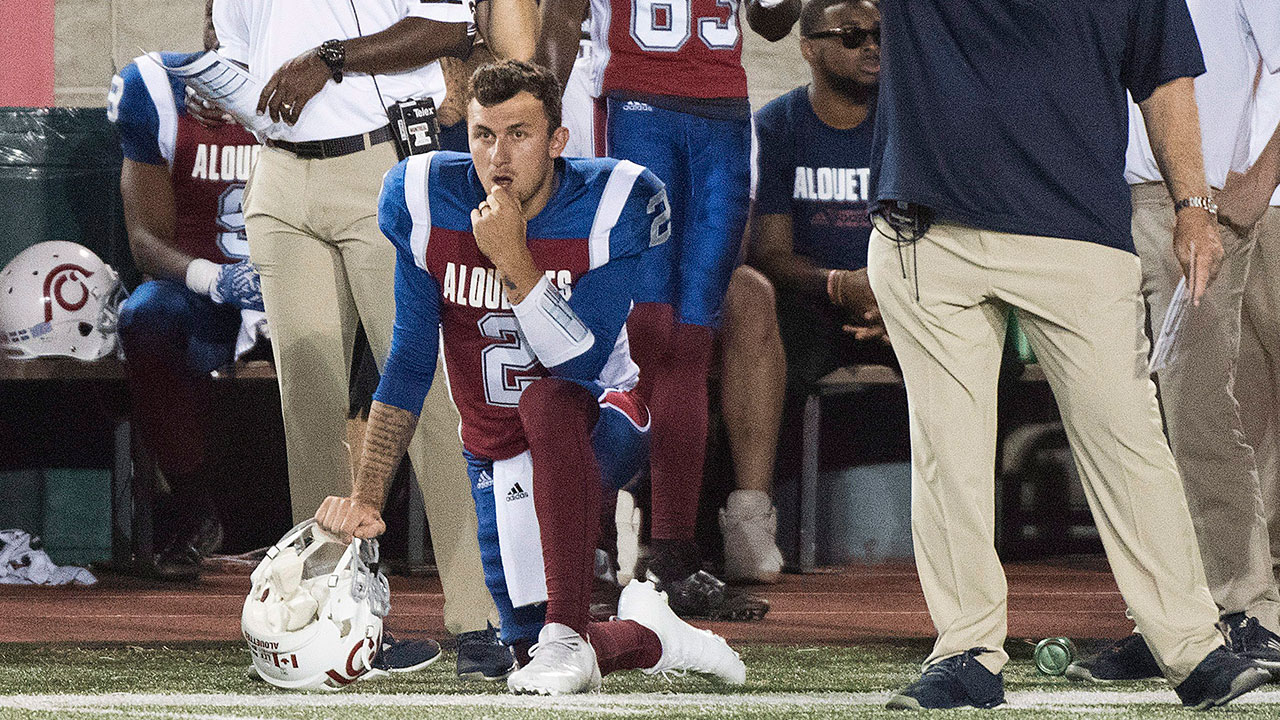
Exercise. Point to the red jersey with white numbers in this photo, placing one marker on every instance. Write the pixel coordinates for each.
(208, 166)
(680, 48)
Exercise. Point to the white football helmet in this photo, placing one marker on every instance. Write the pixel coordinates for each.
(313, 619)
(59, 298)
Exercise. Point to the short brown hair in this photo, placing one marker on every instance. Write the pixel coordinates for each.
(500, 81)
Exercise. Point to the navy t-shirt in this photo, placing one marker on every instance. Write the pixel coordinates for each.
(818, 175)
(1010, 115)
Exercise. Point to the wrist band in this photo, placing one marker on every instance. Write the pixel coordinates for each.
(553, 330)
(831, 285)
(201, 276)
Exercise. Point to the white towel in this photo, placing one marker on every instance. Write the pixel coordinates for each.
(518, 538)
(253, 327)
(22, 564)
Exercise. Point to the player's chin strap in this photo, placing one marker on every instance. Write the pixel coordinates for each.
(909, 222)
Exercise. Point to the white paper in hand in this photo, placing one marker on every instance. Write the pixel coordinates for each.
(1165, 350)
(225, 84)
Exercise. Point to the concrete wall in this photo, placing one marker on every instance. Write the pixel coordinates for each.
(94, 38)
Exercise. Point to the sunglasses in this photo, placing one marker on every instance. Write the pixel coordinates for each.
(850, 36)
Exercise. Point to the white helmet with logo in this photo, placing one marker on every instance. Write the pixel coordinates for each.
(59, 298)
(313, 619)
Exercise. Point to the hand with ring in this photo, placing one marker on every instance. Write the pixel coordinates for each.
(289, 90)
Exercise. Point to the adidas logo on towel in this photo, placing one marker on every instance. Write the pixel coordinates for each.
(516, 493)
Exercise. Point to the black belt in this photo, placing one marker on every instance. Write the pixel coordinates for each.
(333, 147)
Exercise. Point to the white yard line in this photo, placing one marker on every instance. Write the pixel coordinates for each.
(602, 703)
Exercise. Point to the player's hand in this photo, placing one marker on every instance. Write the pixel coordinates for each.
(499, 226)
(238, 284)
(1198, 247)
(1243, 201)
(293, 86)
(205, 112)
(347, 517)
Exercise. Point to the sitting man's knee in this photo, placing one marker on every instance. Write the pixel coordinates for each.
(751, 309)
(750, 291)
(150, 305)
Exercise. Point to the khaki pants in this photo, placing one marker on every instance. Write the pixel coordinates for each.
(314, 237)
(1258, 373)
(1202, 417)
(1079, 306)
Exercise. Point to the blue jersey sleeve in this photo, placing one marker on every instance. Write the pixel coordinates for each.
(602, 297)
(645, 220)
(130, 108)
(393, 214)
(775, 160)
(1162, 47)
(415, 338)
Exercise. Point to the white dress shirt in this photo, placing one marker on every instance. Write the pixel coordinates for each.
(1234, 36)
(1266, 115)
(264, 34)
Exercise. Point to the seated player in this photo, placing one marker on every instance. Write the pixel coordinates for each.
(806, 288)
(486, 254)
(182, 184)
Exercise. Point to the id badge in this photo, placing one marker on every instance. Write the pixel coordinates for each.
(415, 126)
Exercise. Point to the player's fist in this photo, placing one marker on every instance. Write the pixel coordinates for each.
(499, 226)
(238, 284)
(346, 517)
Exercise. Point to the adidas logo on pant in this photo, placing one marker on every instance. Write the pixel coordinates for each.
(516, 493)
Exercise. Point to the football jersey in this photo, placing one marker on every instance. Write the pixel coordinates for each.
(680, 48)
(208, 166)
(588, 239)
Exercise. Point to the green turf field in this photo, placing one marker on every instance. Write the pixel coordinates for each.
(208, 682)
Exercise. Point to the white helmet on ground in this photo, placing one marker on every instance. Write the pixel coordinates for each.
(313, 619)
(59, 298)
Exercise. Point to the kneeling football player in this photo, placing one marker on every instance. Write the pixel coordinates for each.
(524, 262)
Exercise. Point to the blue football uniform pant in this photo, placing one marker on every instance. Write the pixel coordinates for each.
(706, 166)
(172, 339)
(620, 442)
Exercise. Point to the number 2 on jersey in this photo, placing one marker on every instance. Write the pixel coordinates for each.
(506, 365)
(665, 25)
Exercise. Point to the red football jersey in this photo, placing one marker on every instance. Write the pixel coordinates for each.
(681, 48)
(488, 363)
(208, 166)
(209, 171)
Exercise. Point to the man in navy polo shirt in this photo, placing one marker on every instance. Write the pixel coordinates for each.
(809, 230)
(999, 170)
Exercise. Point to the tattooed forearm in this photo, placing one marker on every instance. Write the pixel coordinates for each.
(385, 441)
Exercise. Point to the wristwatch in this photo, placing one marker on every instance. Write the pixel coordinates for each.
(334, 54)
(1198, 201)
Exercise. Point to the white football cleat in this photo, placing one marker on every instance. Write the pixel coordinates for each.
(749, 524)
(685, 648)
(563, 663)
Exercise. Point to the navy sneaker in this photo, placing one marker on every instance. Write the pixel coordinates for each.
(957, 681)
(1221, 677)
(1126, 659)
(481, 656)
(1248, 639)
(404, 656)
